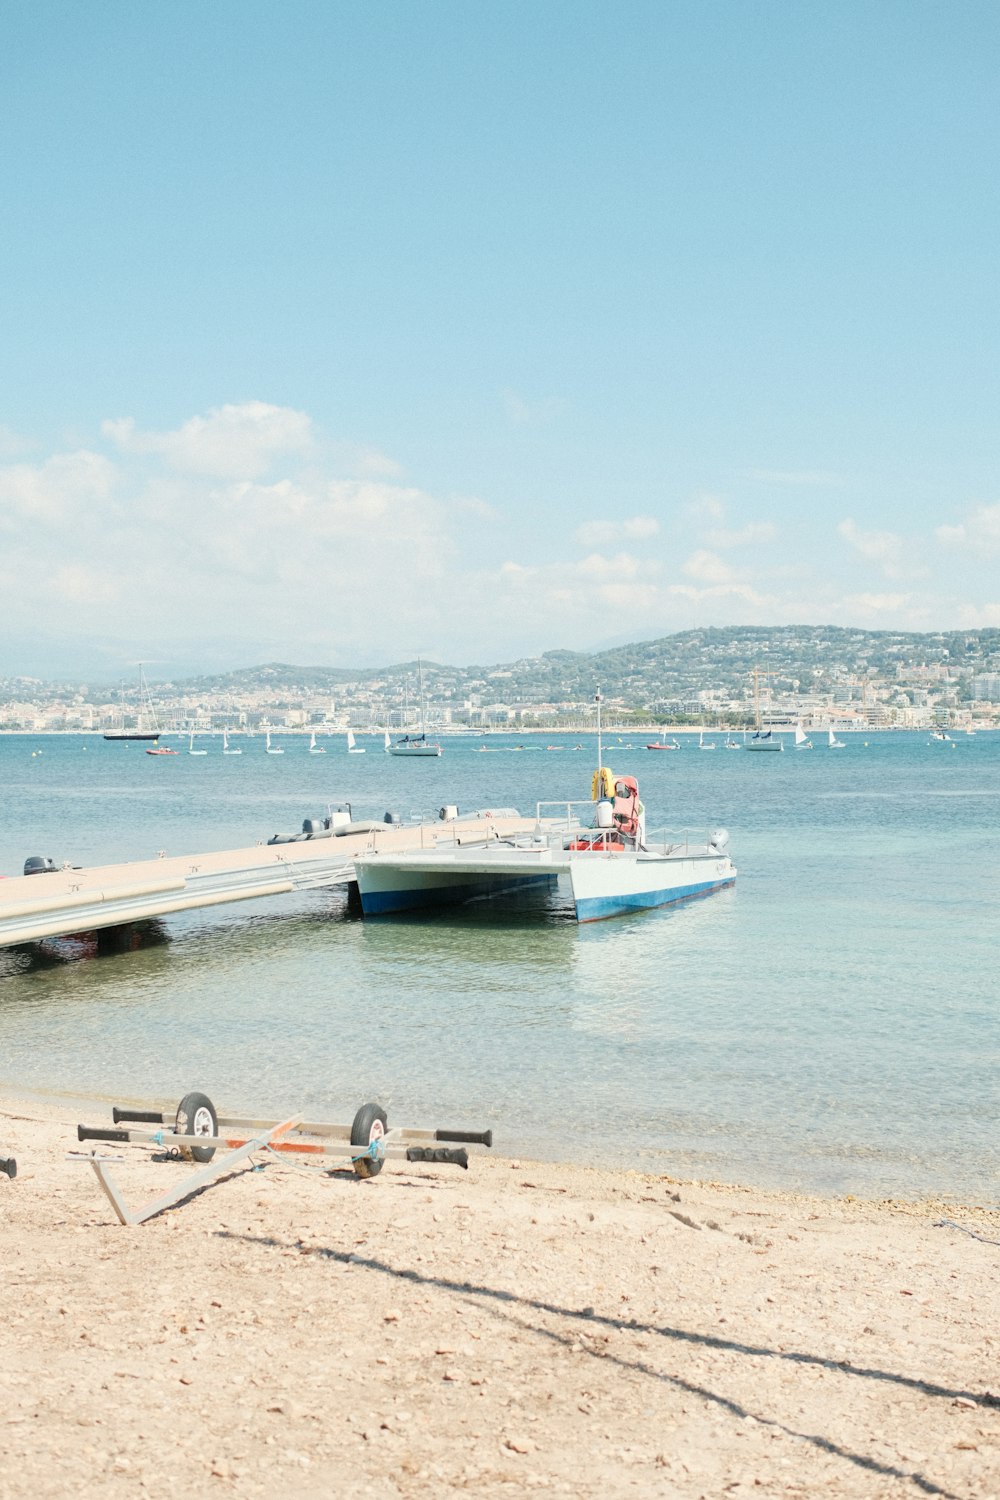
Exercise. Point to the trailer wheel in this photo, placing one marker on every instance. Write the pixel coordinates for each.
(196, 1116)
(369, 1125)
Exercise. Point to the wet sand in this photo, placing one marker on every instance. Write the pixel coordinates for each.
(512, 1328)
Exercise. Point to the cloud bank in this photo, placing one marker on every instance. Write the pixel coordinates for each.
(245, 533)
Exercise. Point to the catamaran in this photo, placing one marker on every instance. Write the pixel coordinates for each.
(603, 851)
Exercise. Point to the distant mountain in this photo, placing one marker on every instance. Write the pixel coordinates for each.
(646, 672)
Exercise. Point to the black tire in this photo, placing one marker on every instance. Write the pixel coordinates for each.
(370, 1124)
(8, 1165)
(196, 1116)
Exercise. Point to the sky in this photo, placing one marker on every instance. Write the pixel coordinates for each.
(340, 333)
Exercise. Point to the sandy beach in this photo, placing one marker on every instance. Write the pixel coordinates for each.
(515, 1327)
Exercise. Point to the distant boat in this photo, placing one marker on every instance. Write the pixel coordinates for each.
(732, 744)
(226, 748)
(802, 740)
(162, 750)
(386, 742)
(192, 750)
(144, 711)
(702, 745)
(416, 746)
(272, 750)
(353, 748)
(761, 739)
(832, 742)
(939, 734)
(315, 749)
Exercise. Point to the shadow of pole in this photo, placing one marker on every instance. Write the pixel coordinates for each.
(509, 1301)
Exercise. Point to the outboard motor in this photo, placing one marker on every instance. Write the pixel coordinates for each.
(38, 864)
(392, 819)
(718, 839)
(448, 814)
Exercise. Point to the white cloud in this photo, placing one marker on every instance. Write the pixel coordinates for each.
(725, 592)
(980, 532)
(56, 488)
(523, 413)
(606, 533)
(706, 508)
(230, 442)
(708, 568)
(750, 535)
(867, 605)
(884, 548)
(12, 445)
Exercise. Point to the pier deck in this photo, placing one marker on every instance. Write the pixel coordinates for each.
(54, 904)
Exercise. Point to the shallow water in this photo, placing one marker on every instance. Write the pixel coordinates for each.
(831, 1023)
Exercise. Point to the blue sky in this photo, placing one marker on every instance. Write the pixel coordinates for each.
(334, 333)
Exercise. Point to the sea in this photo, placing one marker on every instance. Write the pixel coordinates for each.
(830, 1024)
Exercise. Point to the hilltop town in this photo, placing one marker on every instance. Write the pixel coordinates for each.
(809, 674)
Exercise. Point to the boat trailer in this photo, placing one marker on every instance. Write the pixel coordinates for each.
(196, 1132)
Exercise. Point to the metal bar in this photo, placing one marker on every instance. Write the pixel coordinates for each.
(193, 1181)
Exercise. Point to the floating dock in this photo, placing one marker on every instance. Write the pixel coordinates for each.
(58, 903)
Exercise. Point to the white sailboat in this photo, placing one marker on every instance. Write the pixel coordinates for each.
(832, 742)
(416, 746)
(228, 749)
(386, 742)
(272, 749)
(353, 748)
(146, 726)
(702, 744)
(315, 749)
(802, 740)
(761, 739)
(192, 750)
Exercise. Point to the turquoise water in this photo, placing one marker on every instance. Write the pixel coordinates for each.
(832, 1023)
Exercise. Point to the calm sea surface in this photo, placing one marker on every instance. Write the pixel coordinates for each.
(832, 1023)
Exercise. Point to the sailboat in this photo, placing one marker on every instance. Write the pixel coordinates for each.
(832, 742)
(353, 748)
(761, 739)
(701, 741)
(416, 745)
(227, 748)
(802, 740)
(144, 712)
(272, 750)
(386, 742)
(192, 750)
(315, 749)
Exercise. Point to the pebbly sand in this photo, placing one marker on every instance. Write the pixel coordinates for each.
(512, 1328)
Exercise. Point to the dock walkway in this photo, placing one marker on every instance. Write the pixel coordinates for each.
(60, 902)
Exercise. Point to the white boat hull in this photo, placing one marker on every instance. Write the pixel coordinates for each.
(608, 885)
(602, 884)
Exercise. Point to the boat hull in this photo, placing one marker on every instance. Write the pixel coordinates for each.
(610, 885)
(602, 884)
